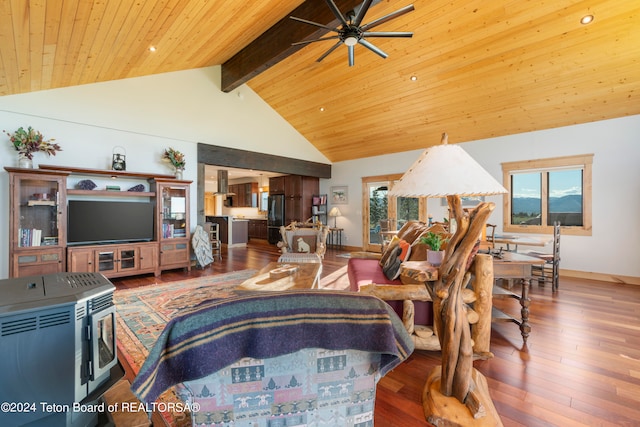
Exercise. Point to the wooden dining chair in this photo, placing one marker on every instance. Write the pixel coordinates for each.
(488, 242)
(549, 271)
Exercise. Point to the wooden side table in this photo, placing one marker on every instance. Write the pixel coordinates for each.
(515, 266)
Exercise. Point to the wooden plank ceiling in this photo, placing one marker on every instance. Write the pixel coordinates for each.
(483, 68)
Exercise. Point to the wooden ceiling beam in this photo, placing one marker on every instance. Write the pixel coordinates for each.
(274, 45)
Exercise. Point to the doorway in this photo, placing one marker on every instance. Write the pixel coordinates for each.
(383, 214)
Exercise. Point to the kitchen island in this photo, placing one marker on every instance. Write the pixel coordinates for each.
(234, 232)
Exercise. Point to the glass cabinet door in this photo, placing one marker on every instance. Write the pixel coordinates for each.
(38, 212)
(37, 226)
(174, 212)
(106, 261)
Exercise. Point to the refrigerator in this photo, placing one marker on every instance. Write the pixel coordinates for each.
(275, 217)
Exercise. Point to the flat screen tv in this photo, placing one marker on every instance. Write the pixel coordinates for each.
(96, 222)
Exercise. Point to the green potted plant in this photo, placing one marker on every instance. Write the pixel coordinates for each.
(30, 141)
(435, 241)
(177, 160)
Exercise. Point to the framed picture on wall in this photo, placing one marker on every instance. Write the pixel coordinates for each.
(340, 195)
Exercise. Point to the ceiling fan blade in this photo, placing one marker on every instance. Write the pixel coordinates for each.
(352, 56)
(388, 17)
(331, 49)
(315, 40)
(372, 48)
(387, 34)
(337, 12)
(313, 23)
(363, 10)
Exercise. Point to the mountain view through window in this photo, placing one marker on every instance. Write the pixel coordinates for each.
(564, 192)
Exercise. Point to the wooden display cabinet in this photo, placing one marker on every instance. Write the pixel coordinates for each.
(173, 232)
(37, 223)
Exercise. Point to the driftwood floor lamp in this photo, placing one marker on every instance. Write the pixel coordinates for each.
(455, 394)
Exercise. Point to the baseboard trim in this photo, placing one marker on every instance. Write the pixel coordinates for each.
(604, 277)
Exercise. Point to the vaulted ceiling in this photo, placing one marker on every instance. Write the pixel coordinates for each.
(481, 68)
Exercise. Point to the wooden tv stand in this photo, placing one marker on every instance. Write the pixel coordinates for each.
(115, 260)
(38, 223)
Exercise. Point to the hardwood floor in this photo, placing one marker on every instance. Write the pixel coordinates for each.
(581, 366)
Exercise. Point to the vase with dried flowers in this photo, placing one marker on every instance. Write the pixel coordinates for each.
(176, 158)
(28, 142)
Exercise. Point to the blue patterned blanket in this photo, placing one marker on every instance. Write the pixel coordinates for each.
(261, 325)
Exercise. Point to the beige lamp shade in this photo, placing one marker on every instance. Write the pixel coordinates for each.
(446, 170)
(335, 213)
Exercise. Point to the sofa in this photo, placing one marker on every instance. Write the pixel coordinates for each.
(405, 290)
(366, 273)
(275, 359)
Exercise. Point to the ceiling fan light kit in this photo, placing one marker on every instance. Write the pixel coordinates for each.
(351, 32)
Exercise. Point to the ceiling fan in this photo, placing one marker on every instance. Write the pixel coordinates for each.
(351, 32)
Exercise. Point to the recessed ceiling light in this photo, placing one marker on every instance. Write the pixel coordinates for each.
(152, 49)
(414, 78)
(321, 109)
(587, 19)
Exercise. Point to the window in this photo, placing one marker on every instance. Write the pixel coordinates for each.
(548, 190)
(383, 213)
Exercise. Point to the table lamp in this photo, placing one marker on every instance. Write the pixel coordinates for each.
(335, 213)
(448, 171)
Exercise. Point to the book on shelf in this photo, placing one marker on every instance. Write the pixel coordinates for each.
(29, 237)
(320, 199)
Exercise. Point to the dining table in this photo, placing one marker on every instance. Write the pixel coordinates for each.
(515, 240)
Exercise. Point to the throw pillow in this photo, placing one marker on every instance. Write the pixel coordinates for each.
(412, 230)
(304, 243)
(399, 254)
(388, 250)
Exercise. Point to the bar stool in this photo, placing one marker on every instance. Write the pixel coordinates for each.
(214, 238)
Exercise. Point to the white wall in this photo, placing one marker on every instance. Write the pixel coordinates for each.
(613, 247)
(144, 115)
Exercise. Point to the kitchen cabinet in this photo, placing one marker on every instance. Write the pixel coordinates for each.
(244, 195)
(240, 232)
(258, 229)
(298, 197)
(234, 232)
(276, 185)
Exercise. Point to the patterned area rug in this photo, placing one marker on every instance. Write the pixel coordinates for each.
(142, 314)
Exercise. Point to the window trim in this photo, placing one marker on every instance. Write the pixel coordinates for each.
(584, 161)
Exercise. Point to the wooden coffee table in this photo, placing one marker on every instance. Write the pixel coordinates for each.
(284, 276)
